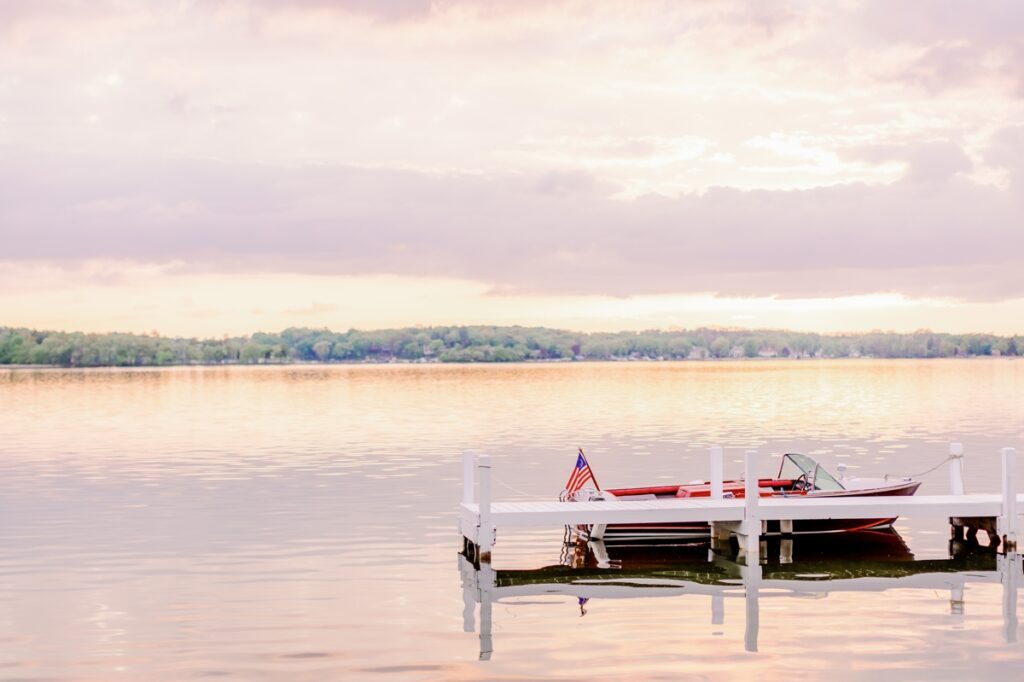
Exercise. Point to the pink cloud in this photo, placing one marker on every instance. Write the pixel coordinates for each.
(496, 141)
(934, 233)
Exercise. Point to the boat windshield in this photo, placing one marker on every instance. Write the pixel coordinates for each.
(795, 466)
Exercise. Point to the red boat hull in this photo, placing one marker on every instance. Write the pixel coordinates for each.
(690, 532)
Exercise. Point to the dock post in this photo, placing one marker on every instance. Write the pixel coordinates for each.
(751, 526)
(1008, 520)
(485, 533)
(719, 533)
(956, 469)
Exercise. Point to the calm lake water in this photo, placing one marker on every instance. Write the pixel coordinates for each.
(299, 522)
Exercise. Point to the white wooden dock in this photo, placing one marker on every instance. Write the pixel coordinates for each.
(480, 516)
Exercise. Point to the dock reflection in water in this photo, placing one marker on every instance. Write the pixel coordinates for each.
(801, 568)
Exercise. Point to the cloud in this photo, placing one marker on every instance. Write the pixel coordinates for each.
(934, 233)
(744, 148)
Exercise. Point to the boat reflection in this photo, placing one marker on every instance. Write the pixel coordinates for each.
(857, 562)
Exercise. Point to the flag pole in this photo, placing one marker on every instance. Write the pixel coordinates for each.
(592, 476)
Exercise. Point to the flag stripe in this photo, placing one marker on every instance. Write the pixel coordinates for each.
(580, 475)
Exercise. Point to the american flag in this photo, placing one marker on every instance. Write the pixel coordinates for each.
(580, 475)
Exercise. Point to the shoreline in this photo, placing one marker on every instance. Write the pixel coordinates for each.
(627, 361)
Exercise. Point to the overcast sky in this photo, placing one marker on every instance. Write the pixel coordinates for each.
(225, 167)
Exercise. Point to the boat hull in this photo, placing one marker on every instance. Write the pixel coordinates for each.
(698, 532)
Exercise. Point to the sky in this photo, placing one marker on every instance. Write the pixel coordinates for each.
(224, 167)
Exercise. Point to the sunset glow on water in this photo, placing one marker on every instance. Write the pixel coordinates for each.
(299, 522)
(269, 267)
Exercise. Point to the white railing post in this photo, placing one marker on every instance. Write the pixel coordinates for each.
(956, 469)
(467, 476)
(752, 516)
(716, 472)
(485, 535)
(1008, 520)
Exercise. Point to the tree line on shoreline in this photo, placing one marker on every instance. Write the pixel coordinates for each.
(19, 346)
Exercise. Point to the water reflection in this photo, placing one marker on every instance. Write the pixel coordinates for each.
(872, 561)
(298, 522)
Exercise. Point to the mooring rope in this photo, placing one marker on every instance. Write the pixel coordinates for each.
(948, 458)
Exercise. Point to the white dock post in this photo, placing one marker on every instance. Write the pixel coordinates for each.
(956, 469)
(719, 532)
(485, 534)
(1008, 520)
(467, 476)
(751, 526)
(716, 472)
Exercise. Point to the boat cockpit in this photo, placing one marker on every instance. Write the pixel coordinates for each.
(807, 474)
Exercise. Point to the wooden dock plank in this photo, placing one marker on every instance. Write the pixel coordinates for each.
(513, 514)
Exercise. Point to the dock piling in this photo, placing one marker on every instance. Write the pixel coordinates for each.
(956, 469)
(485, 536)
(751, 526)
(720, 533)
(1008, 521)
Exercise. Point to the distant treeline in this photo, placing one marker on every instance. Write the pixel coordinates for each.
(480, 344)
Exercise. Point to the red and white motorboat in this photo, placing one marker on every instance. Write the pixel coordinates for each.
(799, 476)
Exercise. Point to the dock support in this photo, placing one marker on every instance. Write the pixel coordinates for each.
(957, 526)
(1008, 520)
(485, 534)
(750, 528)
(786, 550)
(956, 469)
(720, 533)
